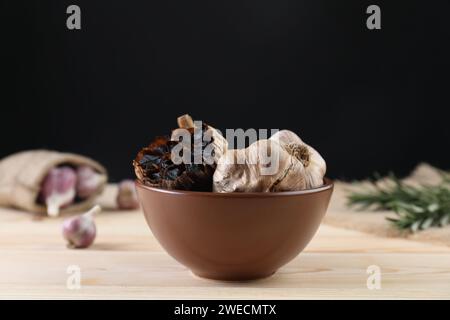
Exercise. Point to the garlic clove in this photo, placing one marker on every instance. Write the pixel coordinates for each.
(80, 231)
(127, 198)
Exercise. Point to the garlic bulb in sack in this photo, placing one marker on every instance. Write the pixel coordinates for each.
(88, 181)
(282, 163)
(314, 166)
(58, 189)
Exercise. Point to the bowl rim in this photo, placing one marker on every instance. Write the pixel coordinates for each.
(327, 185)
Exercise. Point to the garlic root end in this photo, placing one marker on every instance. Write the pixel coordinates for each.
(300, 152)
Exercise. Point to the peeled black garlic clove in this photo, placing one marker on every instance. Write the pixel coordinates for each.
(58, 189)
(80, 231)
(127, 198)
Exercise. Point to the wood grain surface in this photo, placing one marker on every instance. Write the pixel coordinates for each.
(126, 262)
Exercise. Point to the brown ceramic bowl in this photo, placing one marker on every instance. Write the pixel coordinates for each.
(234, 236)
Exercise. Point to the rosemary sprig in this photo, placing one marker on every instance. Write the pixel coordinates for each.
(417, 208)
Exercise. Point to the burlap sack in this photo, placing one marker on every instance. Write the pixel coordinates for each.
(21, 175)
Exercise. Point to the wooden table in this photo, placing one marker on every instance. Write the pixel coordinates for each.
(127, 262)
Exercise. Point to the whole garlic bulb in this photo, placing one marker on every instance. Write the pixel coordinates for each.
(248, 170)
(314, 166)
(88, 181)
(58, 189)
(282, 163)
(127, 198)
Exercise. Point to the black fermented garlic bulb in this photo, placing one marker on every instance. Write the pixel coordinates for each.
(154, 166)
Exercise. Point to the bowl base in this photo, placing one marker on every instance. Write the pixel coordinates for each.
(230, 277)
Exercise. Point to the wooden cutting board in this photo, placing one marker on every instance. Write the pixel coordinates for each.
(126, 262)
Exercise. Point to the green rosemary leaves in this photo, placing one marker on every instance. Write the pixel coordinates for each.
(416, 207)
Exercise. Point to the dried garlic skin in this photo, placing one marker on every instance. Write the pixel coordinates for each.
(296, 166)
(314, 165)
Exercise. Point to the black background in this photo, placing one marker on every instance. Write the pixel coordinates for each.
(367, 100)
